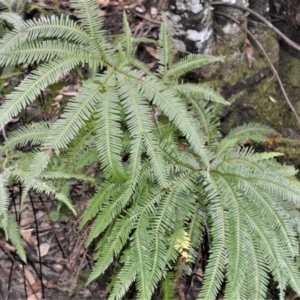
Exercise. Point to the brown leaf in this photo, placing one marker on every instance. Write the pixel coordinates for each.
(151, 51)
(249, 53)
(27, 235)
(44, 249)
(34, 287)
(103, 3)
(29, 276)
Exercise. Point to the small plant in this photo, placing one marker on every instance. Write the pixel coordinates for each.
(168, 175)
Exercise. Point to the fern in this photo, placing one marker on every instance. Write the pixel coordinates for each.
(164, 178)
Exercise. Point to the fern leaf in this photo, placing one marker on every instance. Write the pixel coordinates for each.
(108, 134)
(142, 256)
(88, 13)
(14, 235)
(157, 161)
(60, 28)
(34, 134)
(4, 202)
(113, 246)
(213, 276)
(77, 112)
(126, 276)
(250, 130)
(31, 87)
(40, 51)
(175, 109)
(12, 18)
(103, 194)
(128, 37)
(199, 92)
(165, 49)
(189, 63)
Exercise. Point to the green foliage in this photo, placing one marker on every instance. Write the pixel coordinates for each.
(167, 175)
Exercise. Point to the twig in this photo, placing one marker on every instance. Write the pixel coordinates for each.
(269, 61)
(261, 18)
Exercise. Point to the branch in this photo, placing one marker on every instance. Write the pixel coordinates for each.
(261, 18)
(269, 61)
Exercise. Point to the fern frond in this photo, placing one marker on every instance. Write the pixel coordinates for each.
(128, 38)
(14, 235)
(109, 210)
(4, 202)
(214, 276)
(256, 280)
(167, 286)
(113, 246)
(88, 13)
(165, 48)
(199, 92)
(189, 63)
(109, 134)
(60, 28)
(31, 87)
(156, 158)
(250, 130)
(34, 134)
(175, 109)
(40, 51)
(103, 194)
(79, 109)
(12, 18)
(126, 275)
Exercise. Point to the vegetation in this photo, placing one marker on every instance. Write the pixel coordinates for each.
(168, 178)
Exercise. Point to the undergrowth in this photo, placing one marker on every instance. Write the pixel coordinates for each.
(168, 176)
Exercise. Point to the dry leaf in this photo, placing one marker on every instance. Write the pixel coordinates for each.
(58, 98)
(27, 234)
(153, 12)
(44, 249)
(34, 287)
(58, 268)
(71, 93)
(199, 274)
(151, 51)
(26, 221)
(29, 276)
(103, 3)
(249, 53)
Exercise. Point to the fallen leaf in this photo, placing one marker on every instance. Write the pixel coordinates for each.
(34, 287)
(151, 51)
(153, 12)
(26, 221)
(249, 53)
(103, 3)
(29, 276)
(27, 235)
(44, 249)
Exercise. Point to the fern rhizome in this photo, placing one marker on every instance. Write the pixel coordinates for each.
(156, 199)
